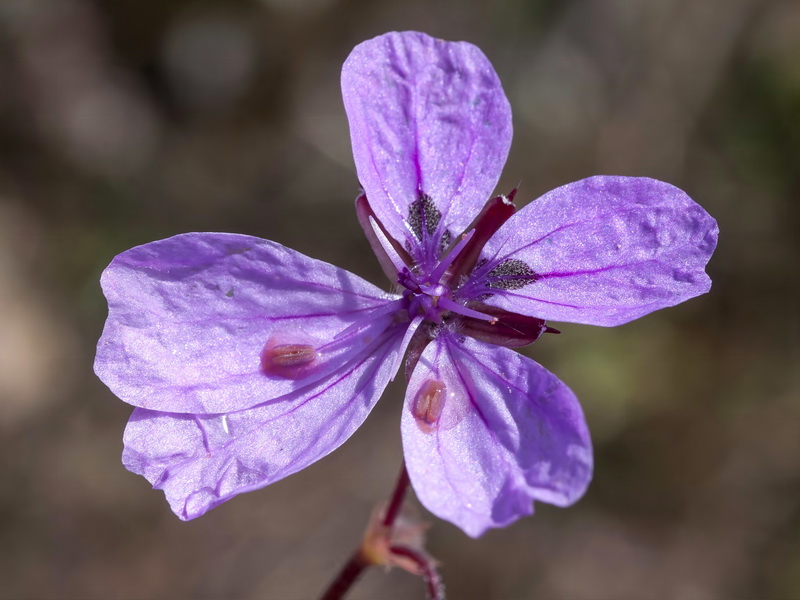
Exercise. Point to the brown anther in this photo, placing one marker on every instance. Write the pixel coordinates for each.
(429, 404)
(292, 355)
(291, 361)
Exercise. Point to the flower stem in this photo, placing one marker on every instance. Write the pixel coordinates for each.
(398, 496)
(358, 561)
(427, 571)
(346, 577)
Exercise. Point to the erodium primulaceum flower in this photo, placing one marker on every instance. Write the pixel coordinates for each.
(247, 361)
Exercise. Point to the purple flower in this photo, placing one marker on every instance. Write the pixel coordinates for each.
(247, 361)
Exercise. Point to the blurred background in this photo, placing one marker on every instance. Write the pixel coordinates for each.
(125, 121)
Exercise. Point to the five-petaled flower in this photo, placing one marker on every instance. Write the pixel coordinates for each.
(247, 361)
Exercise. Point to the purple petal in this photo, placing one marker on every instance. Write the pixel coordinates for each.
(486, 431)
(200, 461)
(214, 322)
(427, 118)
(601, 251)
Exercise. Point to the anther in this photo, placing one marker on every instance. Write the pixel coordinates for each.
(291, 361)
(429, 404)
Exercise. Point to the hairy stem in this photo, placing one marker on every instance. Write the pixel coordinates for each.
(427, 570)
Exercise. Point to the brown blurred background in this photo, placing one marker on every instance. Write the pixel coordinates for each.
(125, 121)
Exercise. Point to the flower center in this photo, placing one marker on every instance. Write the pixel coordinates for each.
(429, 297)
(423, 298)
(443, 292)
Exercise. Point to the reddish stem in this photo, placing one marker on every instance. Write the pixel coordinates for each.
(346, 577)
(426, 568)
(398, 496)
(358, 562)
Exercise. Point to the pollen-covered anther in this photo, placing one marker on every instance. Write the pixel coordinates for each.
(429, 404)
(292, 361)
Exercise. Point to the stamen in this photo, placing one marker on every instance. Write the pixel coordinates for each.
(413, 305)
(378, 312)
(429, 404)
(451, 256)
(416, 346)
(428, 304)
(412, 328)
(455, 307)
(408, 281)
(291, 361)
(495, 212)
